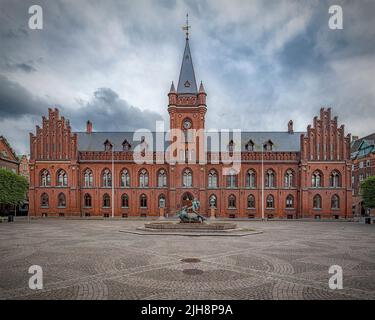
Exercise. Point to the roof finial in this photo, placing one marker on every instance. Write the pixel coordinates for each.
(187, 27)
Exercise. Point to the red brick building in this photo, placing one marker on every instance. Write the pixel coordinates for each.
(282, 174)
(8, 158)
(363, 158)
(24, 166)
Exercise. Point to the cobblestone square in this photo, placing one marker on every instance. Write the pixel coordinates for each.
(92, 259)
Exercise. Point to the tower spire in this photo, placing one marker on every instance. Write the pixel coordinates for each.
(187, 83)
(187, 27)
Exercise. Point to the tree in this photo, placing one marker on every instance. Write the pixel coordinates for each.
(368, 192)
(13, 188)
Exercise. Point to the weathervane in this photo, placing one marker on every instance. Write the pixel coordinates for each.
(187, 27)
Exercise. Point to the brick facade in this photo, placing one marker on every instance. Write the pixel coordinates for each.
(59, 161)
(363, 158)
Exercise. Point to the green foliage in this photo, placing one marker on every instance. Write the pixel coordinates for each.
(368, 192)
(13, 188)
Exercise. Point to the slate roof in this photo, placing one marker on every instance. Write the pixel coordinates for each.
(187, 83)
(281, 141)
(364, 149)
(355, 144)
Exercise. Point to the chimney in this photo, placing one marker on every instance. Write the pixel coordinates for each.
(88, 126)
(354, 138)
(290, 127)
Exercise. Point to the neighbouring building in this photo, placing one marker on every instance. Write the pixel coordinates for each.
(284, 174)
(363, 158)
(24, 166)
(8, 158)
(9, 161)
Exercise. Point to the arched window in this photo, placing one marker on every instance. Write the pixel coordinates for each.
(334, 179)
(61, 200)
(317, 179)
(88, 177)
(212, 179)
(232, 202)
(317, 202)
(161, 201)
(270, 202)
(250, 179)
(162, 178)
(212, 201)
(251, 201)
(143, 178)
(289, 179)
(125, 178)
(124, 201)
(87, 201)
(62, 178)
(187, 178)
(289, 202)
(45, 178)
(106, 201)
(44, 200)
(335, 202)
(107, 178)
(270, 179)
(232, 179)
(143, 201)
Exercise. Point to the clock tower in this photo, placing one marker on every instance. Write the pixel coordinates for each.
(187, 111)
(187, 105)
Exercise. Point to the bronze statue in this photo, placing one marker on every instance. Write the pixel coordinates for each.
(194, 216)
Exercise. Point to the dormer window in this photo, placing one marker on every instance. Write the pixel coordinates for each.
(268, 146)
(250, 146)
(231, 146)
(107, 145)
(126, 146)
(143, 144)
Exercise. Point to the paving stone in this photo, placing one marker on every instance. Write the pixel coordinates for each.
(94, 260)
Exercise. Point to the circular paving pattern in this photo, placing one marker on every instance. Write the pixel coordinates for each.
(93, 260)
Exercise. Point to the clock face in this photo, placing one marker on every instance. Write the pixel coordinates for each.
(187, 124)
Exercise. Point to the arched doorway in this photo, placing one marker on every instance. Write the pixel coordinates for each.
(187, 199)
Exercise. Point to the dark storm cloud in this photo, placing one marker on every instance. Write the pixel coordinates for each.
(16, 101)
(110, 113)
(262, 62)
(25, 67)
(105, 109)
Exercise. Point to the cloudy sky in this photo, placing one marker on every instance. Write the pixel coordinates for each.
(262, 63)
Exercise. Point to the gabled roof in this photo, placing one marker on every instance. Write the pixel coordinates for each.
(364, 149)
(187, 83)
(356, 144)
(10, 155)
